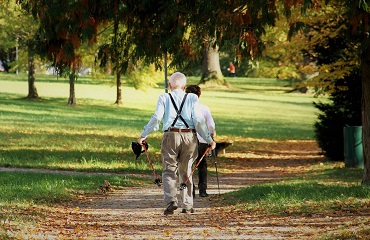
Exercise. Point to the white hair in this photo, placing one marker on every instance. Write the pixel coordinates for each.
(178, 79)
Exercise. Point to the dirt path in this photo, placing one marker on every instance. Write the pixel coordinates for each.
(137, 213)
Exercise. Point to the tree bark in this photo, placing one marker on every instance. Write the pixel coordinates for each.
(365, 66)
(119, 89)
(116, 59)
(72, 96)
(211, 69)
(32, 90)
(108, 68)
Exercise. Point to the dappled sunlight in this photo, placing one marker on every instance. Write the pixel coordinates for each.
(281, 155)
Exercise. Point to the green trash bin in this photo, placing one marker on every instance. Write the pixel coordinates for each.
(353, 153)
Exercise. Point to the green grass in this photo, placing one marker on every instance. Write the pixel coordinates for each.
(51, 188)
(238, 111)
(96, 136)
(326, 191)
(325, 187)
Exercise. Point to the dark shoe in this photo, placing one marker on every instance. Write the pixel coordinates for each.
(191, 210)
(203, 194)
(171, 207)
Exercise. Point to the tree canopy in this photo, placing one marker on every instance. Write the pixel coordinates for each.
(154, 27)
(157, 27)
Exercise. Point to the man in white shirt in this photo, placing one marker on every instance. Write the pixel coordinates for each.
(182, 119)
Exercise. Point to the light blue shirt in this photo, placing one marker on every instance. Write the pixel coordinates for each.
(191, 113)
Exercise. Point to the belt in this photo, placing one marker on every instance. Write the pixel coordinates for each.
(180, 130)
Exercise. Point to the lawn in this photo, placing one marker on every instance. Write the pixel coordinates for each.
(96, 134)
(95, 137)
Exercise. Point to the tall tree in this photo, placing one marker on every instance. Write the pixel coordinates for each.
(365, 69)
(335, 60)
(238, 25)
(63, 25)
(357, 15)
(17, 30)
(211, 69)
(109, 54)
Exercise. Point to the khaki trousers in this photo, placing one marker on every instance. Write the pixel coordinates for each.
(179, 151)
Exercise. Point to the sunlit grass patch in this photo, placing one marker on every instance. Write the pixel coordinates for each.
(328, 191)
(49, 188)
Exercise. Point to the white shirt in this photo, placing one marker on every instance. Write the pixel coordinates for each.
(209, 121)
(191, 113)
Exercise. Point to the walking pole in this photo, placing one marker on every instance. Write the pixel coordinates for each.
(183, 185)
(214, 158)
(157, 180)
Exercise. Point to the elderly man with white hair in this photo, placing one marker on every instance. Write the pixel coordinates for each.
(182, 120)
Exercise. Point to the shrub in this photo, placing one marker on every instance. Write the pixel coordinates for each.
(344, 110)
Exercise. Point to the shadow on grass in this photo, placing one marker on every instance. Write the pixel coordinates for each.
(56, 111)
(75, 151)
(76, 161)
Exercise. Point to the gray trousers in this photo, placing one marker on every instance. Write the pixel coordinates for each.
(179, 151)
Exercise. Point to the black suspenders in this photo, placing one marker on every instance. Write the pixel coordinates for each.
(178, 110)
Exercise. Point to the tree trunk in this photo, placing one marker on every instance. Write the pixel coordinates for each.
(72, 96)
(211, 69)
(365, 66)
(116, 60)
(108, 68)
(119, 89)
(32, 91)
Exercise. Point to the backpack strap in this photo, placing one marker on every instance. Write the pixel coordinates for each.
(178, 111)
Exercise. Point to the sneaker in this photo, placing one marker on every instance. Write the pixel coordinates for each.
(191, 210)
(203, 194)
(171, 207)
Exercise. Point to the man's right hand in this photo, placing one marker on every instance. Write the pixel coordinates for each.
(141, 140)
